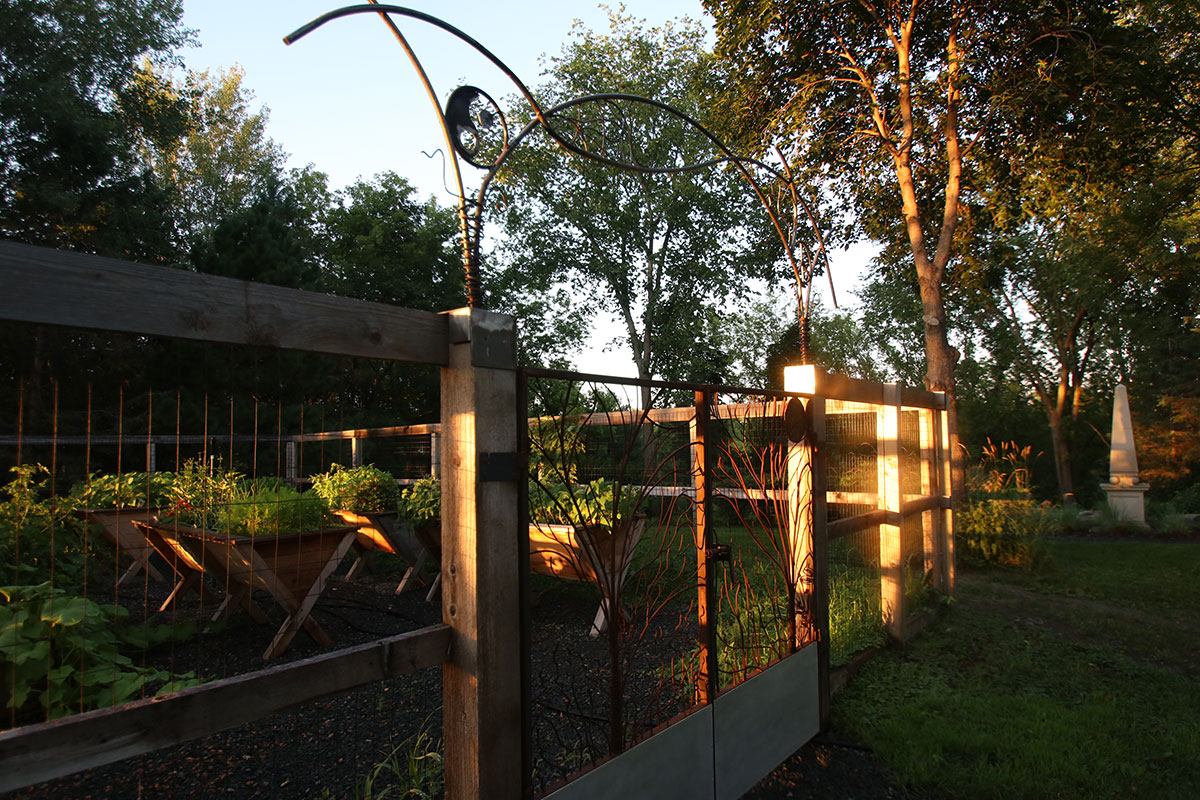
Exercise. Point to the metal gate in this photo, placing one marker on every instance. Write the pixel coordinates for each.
(672, 615)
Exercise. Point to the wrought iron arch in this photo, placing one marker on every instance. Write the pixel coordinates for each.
(470, 117)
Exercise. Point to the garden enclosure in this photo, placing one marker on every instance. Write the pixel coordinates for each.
(732, 543)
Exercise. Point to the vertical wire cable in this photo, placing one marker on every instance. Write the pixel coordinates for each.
(174, 607)
(146, 572)
(205, 455)
(86, 524)
(53, 513)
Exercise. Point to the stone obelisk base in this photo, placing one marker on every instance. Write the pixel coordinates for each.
(1127, 501)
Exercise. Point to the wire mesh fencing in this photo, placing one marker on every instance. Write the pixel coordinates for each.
(163, 526)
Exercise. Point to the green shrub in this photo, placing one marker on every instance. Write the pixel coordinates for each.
(1003, 532)
(361, 489)
(60, 654)
(422, 502)
(1188, 500)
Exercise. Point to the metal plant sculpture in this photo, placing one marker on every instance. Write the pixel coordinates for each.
(597, 127)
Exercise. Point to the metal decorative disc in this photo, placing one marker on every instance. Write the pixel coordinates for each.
(478, 129)
(795, 420)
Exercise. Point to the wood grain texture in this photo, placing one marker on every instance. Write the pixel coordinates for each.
(891, 557)
(481, 682)
(59, 287)
(37, 753)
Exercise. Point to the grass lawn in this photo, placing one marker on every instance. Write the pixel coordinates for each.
(1078, 680)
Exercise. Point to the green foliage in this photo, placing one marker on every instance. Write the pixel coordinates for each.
(386, 246)
(422, 502)
(662, 252)
(573, 504)
(1003, 532)
(61, 654)
(265, 241)
(364, 488)
(267, 507)
(1003, 471)
(410, 769)
(200, 491)
(37, 537)
(1187, 501)
(123, 490)
(222, 161)
(855, 617)
(70, 112)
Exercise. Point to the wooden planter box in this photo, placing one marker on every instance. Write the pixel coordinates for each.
(383, 531)
(116, 525)
(587, 552)
(292, 567)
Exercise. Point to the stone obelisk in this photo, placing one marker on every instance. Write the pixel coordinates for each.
(1126, 493)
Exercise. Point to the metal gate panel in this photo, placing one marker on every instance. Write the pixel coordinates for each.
(676, 762)
(759, 723)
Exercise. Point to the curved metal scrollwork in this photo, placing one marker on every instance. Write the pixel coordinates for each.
(478, 129)
(600, 127)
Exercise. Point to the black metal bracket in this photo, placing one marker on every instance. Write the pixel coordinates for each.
(718, 552)
(497, 467)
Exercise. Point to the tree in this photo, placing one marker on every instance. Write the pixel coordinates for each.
(885, 100)
(660, 251)
(1061, 278)
(72, 104)
(223, 160)
(267, 241)
(384, 245)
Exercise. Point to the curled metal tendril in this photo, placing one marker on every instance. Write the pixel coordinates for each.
(599, 127)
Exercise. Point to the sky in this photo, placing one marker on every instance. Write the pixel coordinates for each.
(346, 99)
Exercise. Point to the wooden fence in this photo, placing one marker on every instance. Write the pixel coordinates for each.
(477, 353)
(475, 446)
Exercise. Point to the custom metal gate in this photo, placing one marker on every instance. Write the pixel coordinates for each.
(673, 614)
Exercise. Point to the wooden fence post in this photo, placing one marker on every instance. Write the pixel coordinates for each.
(931, 481)
(891, 556)
(481, 683)
(941, 437)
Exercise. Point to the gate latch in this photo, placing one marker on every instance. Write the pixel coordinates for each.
(718, 552)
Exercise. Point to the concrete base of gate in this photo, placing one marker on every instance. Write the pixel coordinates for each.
(721, 750)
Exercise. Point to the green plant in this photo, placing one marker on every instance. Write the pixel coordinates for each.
(1003, 532)
(571, 504)
(412, 768)
(38, 539)
(1003, 470)
(1187, 501)
(60, 654)
(1107, 522)
(124, 490)
(362, 489)
(268, 507)
(200, 490)
(422, 502)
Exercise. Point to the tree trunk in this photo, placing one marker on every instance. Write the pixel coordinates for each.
(1062, 457)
